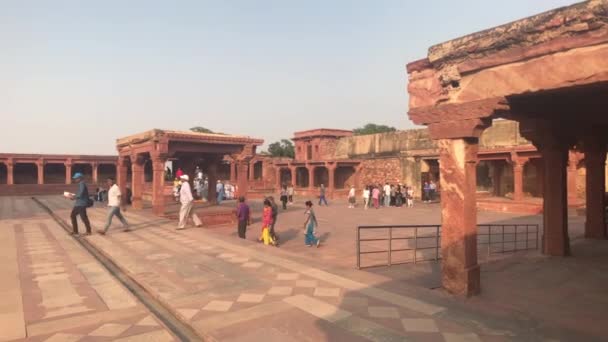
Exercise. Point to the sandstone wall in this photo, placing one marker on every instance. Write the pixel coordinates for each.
(381, 170)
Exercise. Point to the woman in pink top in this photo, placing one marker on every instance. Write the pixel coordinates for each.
(375, 197)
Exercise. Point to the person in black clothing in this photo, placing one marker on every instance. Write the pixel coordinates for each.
(82, 201)
(128, 196)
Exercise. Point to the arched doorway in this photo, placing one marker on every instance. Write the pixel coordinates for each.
(25, 173)
(532, 178)
(321, 176)
(302, 180)
(285, 175)
(258, 169)
(344, 176)
(54, 173)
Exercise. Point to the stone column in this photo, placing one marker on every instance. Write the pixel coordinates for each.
(40, 168)
(540, 175)
(292, 170)
(243, 182)
(278, 182)
(496, 178)
(158, 185)
(10, 179)
(137, 181)
(68, 172)
(311, 176)
(331, 173)
(212, 180)
(572, 175)
(94, 167)
(251, 170)
(555, 198)
(233, 172)
(518, 179)
(121, 177)
(460, 271)
(595, 164)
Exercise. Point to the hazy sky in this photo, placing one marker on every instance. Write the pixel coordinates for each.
(75, 75)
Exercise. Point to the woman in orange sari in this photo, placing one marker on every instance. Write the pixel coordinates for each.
(266, 223)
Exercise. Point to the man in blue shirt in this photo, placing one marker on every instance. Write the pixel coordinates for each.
(81, 202)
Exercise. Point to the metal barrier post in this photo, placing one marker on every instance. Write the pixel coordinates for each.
(527, 235)
(359, 248)
(390, 244)
(415, 244)
(489, 241)
(437, 243)
(503, 238)
(515, 246)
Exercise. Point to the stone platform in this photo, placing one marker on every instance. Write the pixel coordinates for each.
(530, 206)
(210, 215)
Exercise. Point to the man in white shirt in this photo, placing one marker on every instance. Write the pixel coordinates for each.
(185, 197)
(114, 203)
(387, 195)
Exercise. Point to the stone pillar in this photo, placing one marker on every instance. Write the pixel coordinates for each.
(94, 167)
(540, 175)
(496, 178)
(572, 175)
(518, 179)
(251, 170)
(68, 172)
(595, 164)
(555, 198)
(278, 182)
(292, 170)
(243, 182)
(331, 173)
(40, 169)
(460, 271)
(158, 185)
(10, 179)
(212, 179)
(137, 181)
(311, 176)
(121, 177)
(233, 172)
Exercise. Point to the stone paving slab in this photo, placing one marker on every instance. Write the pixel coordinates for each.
(221, 287)
(52, 290)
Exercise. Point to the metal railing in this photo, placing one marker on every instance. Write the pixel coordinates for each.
(416, 243)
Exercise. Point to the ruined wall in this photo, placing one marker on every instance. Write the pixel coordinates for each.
(502, 133)
(381, 170)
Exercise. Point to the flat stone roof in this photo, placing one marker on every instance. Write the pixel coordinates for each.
(327, 132)
(210, 138)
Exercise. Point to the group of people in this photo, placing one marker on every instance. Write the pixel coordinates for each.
(224, 190)
(270, 213)
(386, 195)
(286, 195)
(430, 191)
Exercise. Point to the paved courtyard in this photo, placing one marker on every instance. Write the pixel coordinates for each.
(229, 289)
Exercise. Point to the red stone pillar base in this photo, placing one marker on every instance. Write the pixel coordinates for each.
(460, 271)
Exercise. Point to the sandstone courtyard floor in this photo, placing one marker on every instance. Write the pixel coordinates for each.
(228, 289)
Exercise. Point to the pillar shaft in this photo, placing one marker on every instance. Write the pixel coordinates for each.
(40, 169)
(68, 173)
(95, 168)
(595, 164)
(233, 172)
(10, 179)
(331, 173)
(278, 182)
(292, 171)
(518, 180)
(311, 176)
(555, 199)
(496, 178)
(121, 178)
(460, 271)
(212, 180)
(243, 182)
(251, 170)
(158, 186)
(137, 182)
(571, 177)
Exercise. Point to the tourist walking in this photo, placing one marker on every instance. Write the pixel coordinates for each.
(290, 192)
(410, 196)
(219, 188)
(243, 215)
(387, 195)
(432, 191)
(81, 203)
(114, 203)
(266, 224)
(399, 196)
(427, 192)
(187, 201)
(275, 216)
(284, 197)
(351, 197)
(322, 198)
(310, 225)
(366, 195)
(376, 197)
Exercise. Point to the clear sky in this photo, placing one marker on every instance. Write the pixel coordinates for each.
(75, 75)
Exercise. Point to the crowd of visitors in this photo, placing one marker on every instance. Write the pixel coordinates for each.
(391, 195)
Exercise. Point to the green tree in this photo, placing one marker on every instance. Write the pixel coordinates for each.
(200, 129)
(371, 128)
(282, 148)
